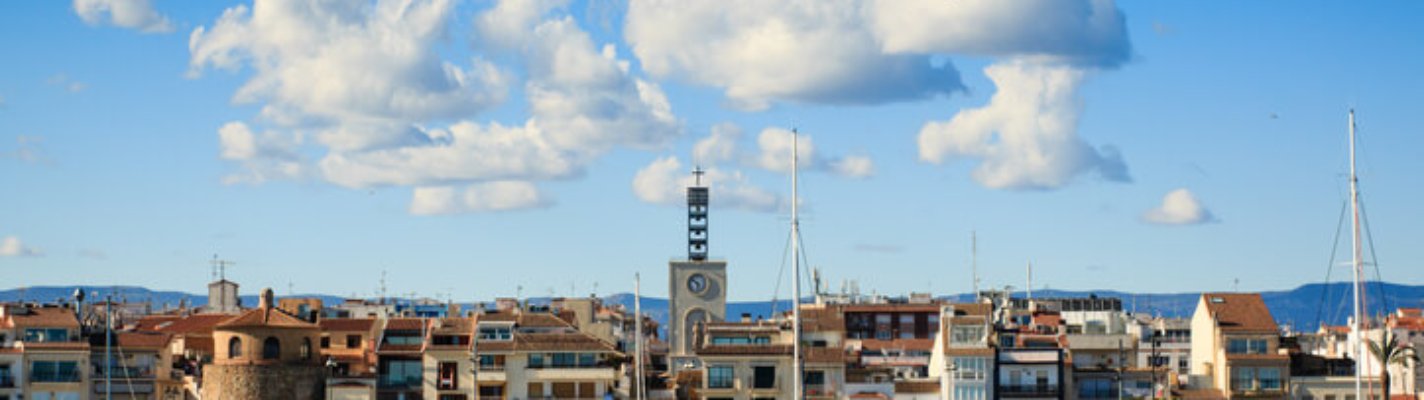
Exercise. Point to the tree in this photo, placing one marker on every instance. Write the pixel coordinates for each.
(1391, 352)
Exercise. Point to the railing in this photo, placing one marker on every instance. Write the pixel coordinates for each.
(597, 365)
(1028, 390)
(387, 381)
(491, 367)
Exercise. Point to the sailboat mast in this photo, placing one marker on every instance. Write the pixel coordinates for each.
(638, 335)
(1356, 264)
(795, 272)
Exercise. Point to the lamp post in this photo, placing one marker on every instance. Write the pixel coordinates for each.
(330, 374)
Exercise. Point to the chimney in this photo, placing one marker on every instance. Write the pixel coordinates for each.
(265, 301)
(746, 317)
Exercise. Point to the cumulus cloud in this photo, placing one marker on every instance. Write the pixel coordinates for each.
(759, 51)
(665, 181)
(370, 87)
(270, 155)
(133, 14)
(1179, 207)
(480, 197)
(11, 246)
(774, 150)
(1027, 136)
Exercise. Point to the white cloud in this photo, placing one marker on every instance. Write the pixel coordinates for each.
(720, 145)
(371, 87)
(1027, 136)
(63, 81)
(481, 197)
(1078, 32)
(361, 74)
(1179, 207)
(759, 51)
(11, 246)
(28, 149)
(665, 181)
(270, 155)
(134, 14)
(774, 154)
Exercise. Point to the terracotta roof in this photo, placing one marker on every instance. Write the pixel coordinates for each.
(266, 317)
(1411, 312)
(745, 349)
(347, 324)
(572, 341)
(916, 387)
(495, 346)
(405, 324)
(143, 340)
(42, 317)
(197, 323)
(453, 325)
(1240, 312)
(198, 344)
(55, 346)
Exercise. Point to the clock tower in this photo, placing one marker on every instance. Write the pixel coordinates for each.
(697, 286)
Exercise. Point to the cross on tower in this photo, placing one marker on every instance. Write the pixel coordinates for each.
(697, 174)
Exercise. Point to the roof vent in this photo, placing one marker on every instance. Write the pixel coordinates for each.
(1218, 299)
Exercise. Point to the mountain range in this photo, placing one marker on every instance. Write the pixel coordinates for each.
(1302, 308)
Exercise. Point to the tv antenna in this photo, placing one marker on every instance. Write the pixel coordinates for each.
(220, 268)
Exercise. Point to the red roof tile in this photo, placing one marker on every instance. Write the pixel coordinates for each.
(347, 324)
(266, 318)
(143, 340)
(1240, 312)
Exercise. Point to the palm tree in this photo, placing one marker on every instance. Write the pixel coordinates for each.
(1391, 353)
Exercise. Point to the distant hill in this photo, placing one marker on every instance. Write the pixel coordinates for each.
(1304, 308)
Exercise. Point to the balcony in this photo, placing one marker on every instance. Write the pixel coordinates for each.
(1044, 390)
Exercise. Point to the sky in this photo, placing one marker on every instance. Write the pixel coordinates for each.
(475, 149)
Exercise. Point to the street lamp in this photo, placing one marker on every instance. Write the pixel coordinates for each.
(330, 374)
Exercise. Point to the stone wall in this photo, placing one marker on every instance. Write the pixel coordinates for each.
(262, 382)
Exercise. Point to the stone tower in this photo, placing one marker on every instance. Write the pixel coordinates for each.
(264, 353)
(697, 286)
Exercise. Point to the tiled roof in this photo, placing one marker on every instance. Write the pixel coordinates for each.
(822, 319)
(405, 324)
(571, 341)
(55, 346)
(1240, 312)
(42, 317)
(966, 309)
(265, 317)
(827, 355)
(143, 340)
(192, 324)
(453, 325)
(347, 324)
(198, 344)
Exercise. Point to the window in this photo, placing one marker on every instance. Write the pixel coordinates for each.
(1269, 378)
(719, 377)
(815, 378)
(1184, 364)
(495, 333)
(54, 371)
(763, 377)
(536, 360)
(271, 349)
(234, 348)
(46, 335)
(400, 373)
(353, 341)
(449, 376)
(1246, 346)
(403, 339)
(326, 342)
(306, 352)
(966, 334)
(491, 362)
(1243, 379)
(1096, 389)
(491, 391)
(907, 326)
(563, 360)
(971, 368)
(1158, 361)
(586, 360)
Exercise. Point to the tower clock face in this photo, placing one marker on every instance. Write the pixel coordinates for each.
(697, 283)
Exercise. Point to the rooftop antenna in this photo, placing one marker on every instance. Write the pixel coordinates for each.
(1029, 288)
(974, 262)
(221, 267)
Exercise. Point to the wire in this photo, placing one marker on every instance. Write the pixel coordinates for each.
(1374, 258)
(1325, 291)
(779, 272)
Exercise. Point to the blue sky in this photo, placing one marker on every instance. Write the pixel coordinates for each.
(471, 148)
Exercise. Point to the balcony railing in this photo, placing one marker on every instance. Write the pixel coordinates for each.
(1028, 390)
(491, 367)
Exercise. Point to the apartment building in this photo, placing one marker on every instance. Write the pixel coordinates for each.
(349, 355)
(449, 371)
(525, 354)
(53, 360)
(746, 360)
(963, 358)
(1236, 348)
(139, 367)
(400, 360)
